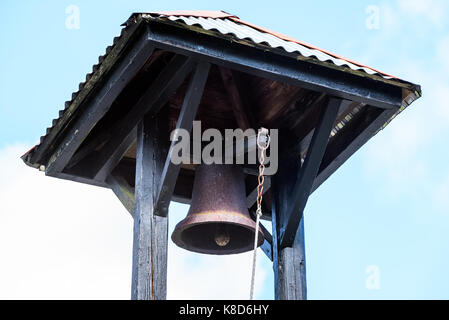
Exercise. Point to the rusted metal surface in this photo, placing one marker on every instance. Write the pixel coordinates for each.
(217, 213)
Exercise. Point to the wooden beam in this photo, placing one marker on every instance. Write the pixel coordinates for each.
(276, 67)
(151, 101)
(97, 107)
(309, 123)
(305, 176)
(292, 274)
(70, 176)
(266, 248)
(149, 270)
(114, 157)
(123, 191)
(186, 117)
(118, 51)
(351, 139)
(289, 263)
(240, 109)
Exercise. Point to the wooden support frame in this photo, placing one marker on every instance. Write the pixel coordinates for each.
(272, 66)
(230, 56)
(239, 106)
(289, 265)
(97, 108)
(350, 140)
(155, 181)
(290, 190)
(290, 217)
(156, 176)
(152, 101)
(188, 112)
(288, 262)
(149, 269)
(123, 191)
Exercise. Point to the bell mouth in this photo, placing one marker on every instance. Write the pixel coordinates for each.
(207, 236)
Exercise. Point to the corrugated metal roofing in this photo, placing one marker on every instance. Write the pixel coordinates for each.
(228, 24)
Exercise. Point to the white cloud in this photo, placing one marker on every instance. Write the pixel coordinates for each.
(59, 239)
(65, 240)
(195, 276)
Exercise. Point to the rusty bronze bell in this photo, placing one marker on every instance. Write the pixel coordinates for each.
(218, 221)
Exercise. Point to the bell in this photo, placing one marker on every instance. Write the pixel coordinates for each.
(218, 221)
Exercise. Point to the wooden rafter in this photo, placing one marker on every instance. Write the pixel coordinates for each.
(352, 138)
(98, 107)
(239, 107)
(267, 65)
(305, 176)
(185, 121)
(123, 191)
(152, 101)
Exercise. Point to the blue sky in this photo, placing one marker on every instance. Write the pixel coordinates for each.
(387, 207)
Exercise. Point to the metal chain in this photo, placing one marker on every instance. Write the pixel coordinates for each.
(263, 145)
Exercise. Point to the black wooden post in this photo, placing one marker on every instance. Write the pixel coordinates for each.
(292, 275)
(156, 177)
(289, 264)
(291, 188)
(149, 271)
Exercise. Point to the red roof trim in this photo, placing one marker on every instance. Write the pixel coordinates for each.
(224, 15)
(287, 38)
(197, 13)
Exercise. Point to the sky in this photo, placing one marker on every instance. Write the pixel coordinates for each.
(377, 229)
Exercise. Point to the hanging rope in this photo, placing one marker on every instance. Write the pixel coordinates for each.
(263, 142)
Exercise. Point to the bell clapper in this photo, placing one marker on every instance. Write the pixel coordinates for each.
(222, 236)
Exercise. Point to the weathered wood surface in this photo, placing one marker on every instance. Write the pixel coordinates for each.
(97, 108)
(290, 189)
(123, 191)
(239, 105)
(266, 65)
(305, 176)
(290, 274)
(185, 121)
(351, 139)
(151, 101)
(288, 262)
(149, 270)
